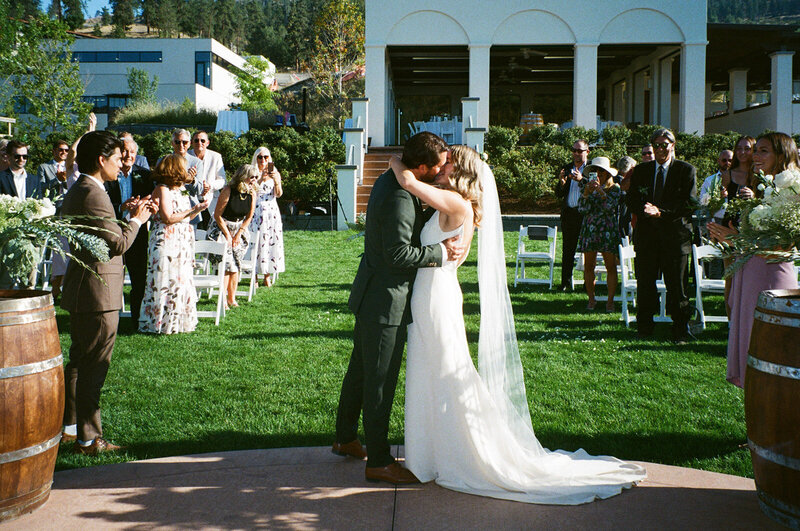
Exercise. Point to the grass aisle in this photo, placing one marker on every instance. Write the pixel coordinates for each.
(269, 375)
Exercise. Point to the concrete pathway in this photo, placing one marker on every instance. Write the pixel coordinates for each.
(310, 488)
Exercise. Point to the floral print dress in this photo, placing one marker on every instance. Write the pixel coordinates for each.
(170, 299)
(600, 228)
(267, 220)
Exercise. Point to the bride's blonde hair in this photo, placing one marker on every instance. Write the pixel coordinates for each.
(464, 178)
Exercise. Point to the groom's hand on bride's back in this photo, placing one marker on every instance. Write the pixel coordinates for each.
(455, 251)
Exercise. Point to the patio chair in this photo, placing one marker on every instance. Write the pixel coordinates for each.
(628, 286)
(210, 278)
(536, 233)
(704, 284)
(249, 267)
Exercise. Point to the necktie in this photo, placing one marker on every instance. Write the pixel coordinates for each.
(659, 185)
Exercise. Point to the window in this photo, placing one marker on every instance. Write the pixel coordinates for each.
(117, 57)
(202, 68)
(117, 101)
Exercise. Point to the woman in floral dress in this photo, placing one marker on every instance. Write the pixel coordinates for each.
(170, 299)
(599, 204)
(267, 219)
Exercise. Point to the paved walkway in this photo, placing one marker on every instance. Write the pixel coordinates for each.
(310, 488)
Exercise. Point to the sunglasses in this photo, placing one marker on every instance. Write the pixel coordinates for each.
(63, 150)
(184, 142)
(579, 150)
(662, 145)
(19, 156)
(262, 157)
(200, 141)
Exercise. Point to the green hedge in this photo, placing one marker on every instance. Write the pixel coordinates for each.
(304, 159)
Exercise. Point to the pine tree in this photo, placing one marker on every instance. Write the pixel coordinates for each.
(121, 16)
(23, 8)
(73, 13)
(55, 10)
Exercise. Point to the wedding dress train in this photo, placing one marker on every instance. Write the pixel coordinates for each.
(458, 432)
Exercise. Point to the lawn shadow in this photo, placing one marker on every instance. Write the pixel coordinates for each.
(331, 334)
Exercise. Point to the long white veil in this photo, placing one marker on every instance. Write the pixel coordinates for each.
(498, 353)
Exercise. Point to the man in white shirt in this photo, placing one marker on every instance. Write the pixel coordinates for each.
(15, 181)
(213, 169)
(724, 162)
(568, 190)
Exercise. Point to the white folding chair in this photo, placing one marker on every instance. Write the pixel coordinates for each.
(200, 234)
(205, 278)
(706, 285)
(249, 267)
(629, 285)
(537, 233)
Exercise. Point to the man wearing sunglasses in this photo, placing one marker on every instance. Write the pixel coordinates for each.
(213, 170)
(198, 188)
(568, 190)
(53, 175)
(661, 196)
(15, 181)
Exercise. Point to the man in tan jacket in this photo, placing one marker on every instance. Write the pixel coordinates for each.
(94, 297)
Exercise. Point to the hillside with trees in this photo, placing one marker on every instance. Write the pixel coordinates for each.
(754, 11)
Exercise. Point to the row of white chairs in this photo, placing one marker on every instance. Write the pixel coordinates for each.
(625, 270)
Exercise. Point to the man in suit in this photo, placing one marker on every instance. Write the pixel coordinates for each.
(661, 196)
(380, 299)
(93, 297)
(16, 181)
(569, 192)
(133, 181)
(213, 170)
(53, 175)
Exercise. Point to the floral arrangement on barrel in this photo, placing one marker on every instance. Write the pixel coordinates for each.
(769, 225)
(27, 226)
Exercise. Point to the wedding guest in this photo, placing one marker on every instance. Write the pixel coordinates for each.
(569, 191)
(141, 160)
(647, 153)
(625, 167)
(16, 181)
(268, 217)
(773, 154)
(230, 224)
(93, 297)
(195, 185)
(53, 175)
(170, 300)
(213, 170)
(599, 204)
(714, 181)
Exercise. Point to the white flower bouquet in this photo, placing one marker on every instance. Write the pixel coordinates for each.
(769, 226)
(29, 225)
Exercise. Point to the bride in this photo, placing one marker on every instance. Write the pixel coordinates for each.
(470, 430)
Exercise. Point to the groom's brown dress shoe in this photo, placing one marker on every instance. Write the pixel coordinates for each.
(351, 449)
(98, 446)
(393, 473)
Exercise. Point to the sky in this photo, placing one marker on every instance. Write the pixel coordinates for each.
(93, 6)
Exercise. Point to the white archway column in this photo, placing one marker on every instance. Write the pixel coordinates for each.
(584, 86)
(737, 89)
(692, 112)
(630, 97)
(781, 92)
(479, 77)
(654, 73)
(639, 86)
(375, 89)
(665, 92)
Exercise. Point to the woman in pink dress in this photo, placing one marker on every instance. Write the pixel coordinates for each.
(773, 153)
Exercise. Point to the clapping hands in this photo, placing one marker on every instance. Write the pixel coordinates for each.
(141, 208)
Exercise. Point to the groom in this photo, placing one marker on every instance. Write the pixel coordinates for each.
(380, 299)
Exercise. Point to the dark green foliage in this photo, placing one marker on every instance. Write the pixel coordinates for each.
(154, 145)
(73, 13)
(501, 139)
(752, 11)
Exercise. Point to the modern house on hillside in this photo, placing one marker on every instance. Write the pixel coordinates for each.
(200, 70)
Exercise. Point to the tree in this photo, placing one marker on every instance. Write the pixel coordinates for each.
(105, 16)
(142, 88)
(73, 13)
(23, 8)
(55, 10)
(251, 89)
(121, 16)
(38, 72)
(339, 32)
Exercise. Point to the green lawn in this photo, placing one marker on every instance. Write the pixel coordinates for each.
(269, 375)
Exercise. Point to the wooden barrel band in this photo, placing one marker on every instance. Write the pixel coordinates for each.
(779, 301)
(25, 318)
(778, 459)
(780, 511)
(39, 299)
(782, 320)
(31, 368)
(784, 371)
(23, 453)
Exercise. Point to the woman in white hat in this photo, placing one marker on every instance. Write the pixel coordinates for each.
(599, 204)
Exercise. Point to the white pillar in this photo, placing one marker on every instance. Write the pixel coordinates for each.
(469, 116)
(354, 150)
(665, 92)
(479, 77)
(639, 86)
(692, 115)
(629, 97)
(781, 91)
(584, 86)
(375, 89)
(361, 115)
(346, 189)
(473, 137)
(737, 89)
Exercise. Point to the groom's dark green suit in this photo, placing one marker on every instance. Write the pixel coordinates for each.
(380, 299)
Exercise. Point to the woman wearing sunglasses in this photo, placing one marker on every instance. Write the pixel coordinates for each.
(268, 217)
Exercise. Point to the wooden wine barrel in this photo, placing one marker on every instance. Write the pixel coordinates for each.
(772, 404)
(31, 400)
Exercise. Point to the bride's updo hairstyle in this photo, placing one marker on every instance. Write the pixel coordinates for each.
(464, 178)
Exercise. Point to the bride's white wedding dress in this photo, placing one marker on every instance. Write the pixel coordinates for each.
(455, 431)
